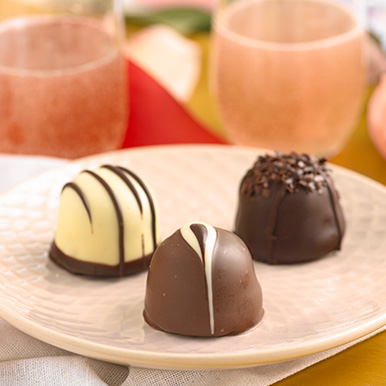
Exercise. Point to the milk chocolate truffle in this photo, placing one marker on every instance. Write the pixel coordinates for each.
(289, 210)
(202, 282)
(107, 223)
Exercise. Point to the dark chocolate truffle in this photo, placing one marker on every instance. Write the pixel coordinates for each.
(107, 223)
(289, 210)
(202, 282)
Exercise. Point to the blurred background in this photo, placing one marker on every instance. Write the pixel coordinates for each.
(170, 40)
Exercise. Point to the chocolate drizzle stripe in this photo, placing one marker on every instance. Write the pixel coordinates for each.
(129, 184)
(193, 235)
(150, 199)
(201, 234)
(96, 269)
(118, 212)
(83, 198)
(271, 226)
(334, 205)
(143, 244)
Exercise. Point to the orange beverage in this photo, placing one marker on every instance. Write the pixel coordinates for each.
(63, 87)
(288, 75)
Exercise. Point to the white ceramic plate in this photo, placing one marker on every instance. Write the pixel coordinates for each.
(308, 308)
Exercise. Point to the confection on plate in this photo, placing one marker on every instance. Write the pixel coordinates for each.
(202, 282)
(107, 223)
(289, 210)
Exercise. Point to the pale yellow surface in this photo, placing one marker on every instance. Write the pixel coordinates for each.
(10, 8)
(365, 363)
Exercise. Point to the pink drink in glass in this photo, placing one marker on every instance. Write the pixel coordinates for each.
(288, 75)
(63, 88)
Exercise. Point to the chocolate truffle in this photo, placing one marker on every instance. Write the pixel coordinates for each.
(289, 210)
(202, 282)
(107, 223)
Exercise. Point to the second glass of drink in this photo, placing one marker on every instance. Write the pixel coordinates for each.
(288, 74)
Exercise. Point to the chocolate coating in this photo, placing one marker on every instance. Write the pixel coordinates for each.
(289, 210)
(76, 266)
(181, 297)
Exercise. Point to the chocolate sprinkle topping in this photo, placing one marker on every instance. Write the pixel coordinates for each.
(294, 171)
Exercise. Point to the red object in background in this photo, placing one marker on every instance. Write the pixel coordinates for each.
(156, 118)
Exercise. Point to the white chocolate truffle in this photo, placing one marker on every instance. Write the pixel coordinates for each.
(107, 223)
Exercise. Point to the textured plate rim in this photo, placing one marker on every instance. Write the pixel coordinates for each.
(172, 361)
(191, 361)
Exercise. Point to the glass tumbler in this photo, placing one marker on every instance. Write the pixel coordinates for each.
(288, 74)
(63, 78)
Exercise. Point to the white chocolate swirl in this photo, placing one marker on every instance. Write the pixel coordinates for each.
(204, 249)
